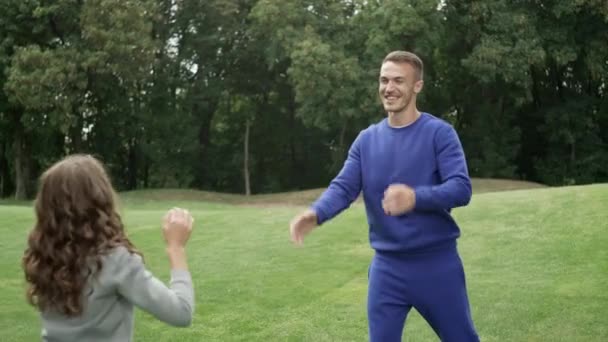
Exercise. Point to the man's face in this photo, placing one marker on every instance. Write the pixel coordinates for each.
(398, 85)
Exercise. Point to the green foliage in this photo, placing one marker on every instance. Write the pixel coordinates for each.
(163, 91)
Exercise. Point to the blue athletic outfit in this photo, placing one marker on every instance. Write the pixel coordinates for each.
(416, 262)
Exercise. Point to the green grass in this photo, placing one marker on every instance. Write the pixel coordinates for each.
(480, 185)
(536, 263)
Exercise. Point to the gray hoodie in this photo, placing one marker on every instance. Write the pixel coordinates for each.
(111, 296)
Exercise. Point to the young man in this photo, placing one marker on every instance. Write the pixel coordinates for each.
(412, 171)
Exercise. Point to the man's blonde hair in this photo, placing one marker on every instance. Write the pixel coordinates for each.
(406, 57)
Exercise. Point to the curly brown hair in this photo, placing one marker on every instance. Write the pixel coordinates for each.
(77, 222)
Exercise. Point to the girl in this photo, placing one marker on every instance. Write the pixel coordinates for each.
(83, 273)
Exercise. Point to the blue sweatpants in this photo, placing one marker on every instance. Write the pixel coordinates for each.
(433, 283)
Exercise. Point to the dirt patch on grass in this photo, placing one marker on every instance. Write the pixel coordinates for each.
(295, 198)
(481, 185)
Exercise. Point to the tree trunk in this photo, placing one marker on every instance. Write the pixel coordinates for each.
(572, 145)
(296, 170)
(557, 78)
(5, 175)
(132, 165)
(3, 167)
(76, 132)
(204, 137)
(342, 136)
(536, 92)
(246, 159)
(146, 175)
(22, 163)
(134, 131)
(339, 154)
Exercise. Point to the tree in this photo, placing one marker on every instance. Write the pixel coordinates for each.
(59, 78)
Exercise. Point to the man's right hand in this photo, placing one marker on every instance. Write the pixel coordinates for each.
(301, 225)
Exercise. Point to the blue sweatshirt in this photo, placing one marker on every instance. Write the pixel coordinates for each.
(426, 155)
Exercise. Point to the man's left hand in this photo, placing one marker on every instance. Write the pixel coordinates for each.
(398, 199)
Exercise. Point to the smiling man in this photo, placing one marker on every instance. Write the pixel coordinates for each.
(412, 170)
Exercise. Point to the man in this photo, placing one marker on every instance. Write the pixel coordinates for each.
(412, 171)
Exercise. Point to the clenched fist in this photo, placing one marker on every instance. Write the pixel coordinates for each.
(177, 226)
(398, 199)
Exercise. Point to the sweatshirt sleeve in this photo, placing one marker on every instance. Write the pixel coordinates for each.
(455, 187)
(344, 188)
(173, 305)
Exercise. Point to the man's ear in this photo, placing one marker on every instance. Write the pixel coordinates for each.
(418, 86)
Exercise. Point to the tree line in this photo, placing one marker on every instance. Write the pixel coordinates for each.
(257, 96)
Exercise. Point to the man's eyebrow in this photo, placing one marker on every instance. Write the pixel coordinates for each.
(393, 78)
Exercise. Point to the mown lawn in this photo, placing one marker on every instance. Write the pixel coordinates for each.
(536, 263)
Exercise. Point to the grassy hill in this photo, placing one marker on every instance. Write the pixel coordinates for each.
(536, 263)
(293, 198)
